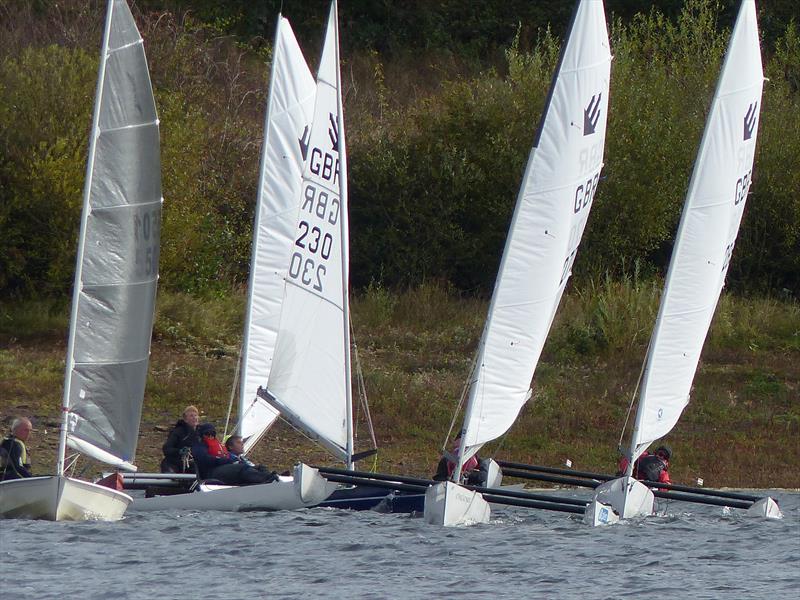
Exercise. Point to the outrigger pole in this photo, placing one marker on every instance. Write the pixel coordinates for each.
(494, 495)
(592, 480)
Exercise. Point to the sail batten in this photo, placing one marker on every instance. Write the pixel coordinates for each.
(552, 208)
(706, 236)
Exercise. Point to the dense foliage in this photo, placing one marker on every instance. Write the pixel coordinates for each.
(442, 101)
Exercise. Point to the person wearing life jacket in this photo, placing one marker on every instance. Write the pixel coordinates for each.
(213, 461)
(649, 467)
(14, 461)
(470, 470)
(654, 467)
(177, 448)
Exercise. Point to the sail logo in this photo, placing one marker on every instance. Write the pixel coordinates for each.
(591, 115)
(324, 164)
(304, 142)
(750, 120)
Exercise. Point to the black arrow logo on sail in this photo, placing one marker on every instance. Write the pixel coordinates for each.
(591, 114)
(333, 132)
(304, 142)
(750, 121)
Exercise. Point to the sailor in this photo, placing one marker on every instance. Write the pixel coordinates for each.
(215, 462)
(14, 461)
(179, 443)
(235, 447)
(655, 467)
(470, 470)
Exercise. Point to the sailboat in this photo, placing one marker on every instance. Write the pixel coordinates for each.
(114, 290)
(703, 246)
(309, 382)
(298, 257)
(552, 209)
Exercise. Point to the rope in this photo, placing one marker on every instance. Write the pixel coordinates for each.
(461, 400)
(233, 392)
(362, 396)
(633, 397)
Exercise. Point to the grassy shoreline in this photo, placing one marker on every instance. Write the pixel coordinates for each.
(741, 428)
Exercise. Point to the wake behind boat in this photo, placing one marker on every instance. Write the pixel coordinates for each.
(114, 290)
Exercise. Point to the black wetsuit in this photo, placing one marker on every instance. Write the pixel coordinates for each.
(14, 459)
(181, 436)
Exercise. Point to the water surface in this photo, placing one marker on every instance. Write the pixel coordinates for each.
(691, 550)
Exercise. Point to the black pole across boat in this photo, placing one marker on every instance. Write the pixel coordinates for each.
(600, 477)
(415, 484)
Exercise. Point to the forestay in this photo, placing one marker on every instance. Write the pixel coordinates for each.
(118, 249)
(310, 377)
(286, 129)
(706, 235)
(551, 212)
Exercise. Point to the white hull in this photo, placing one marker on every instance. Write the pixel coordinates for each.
(766, 508)
(451, 505)
(306, 488)
(60, 499)
(598, 514)
(625, 496)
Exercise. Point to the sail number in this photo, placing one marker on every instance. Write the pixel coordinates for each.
(315, 236)
(742, 187)
(146, 235)
(584, 193)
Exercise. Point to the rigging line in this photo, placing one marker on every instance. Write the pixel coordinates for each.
(633, 396)
(464, 393)
(233, 392)
(362, 388)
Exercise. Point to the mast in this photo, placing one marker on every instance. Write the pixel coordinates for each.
(345, 233)
(77, 284)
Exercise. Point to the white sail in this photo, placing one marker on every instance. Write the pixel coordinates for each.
(309, 381)
(117, 264)
(551, 212)
(706, 235)
(289, 114)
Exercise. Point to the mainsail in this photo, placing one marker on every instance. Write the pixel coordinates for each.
(286, 129)
(118, 249)
(706, 235)
(309, 382)
(551, 213)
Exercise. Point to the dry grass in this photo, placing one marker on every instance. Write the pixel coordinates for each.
(741, 428)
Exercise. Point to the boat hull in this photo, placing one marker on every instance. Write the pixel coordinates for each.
(57, 498)
(451, 505)
(304, 489)
(625, 496)
(766, 508)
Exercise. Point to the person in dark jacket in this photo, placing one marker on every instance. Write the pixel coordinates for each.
(649, 467)
(179, 443)
(655, 467)
(215, 462)
(14, 460)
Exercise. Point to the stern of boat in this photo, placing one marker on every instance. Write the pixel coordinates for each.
(312, 488)
(766, 508)
(625, 496)
(451, 505)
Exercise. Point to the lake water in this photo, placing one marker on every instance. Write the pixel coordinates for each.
(692, 550)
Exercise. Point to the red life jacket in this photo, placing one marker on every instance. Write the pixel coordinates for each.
(215, 448)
